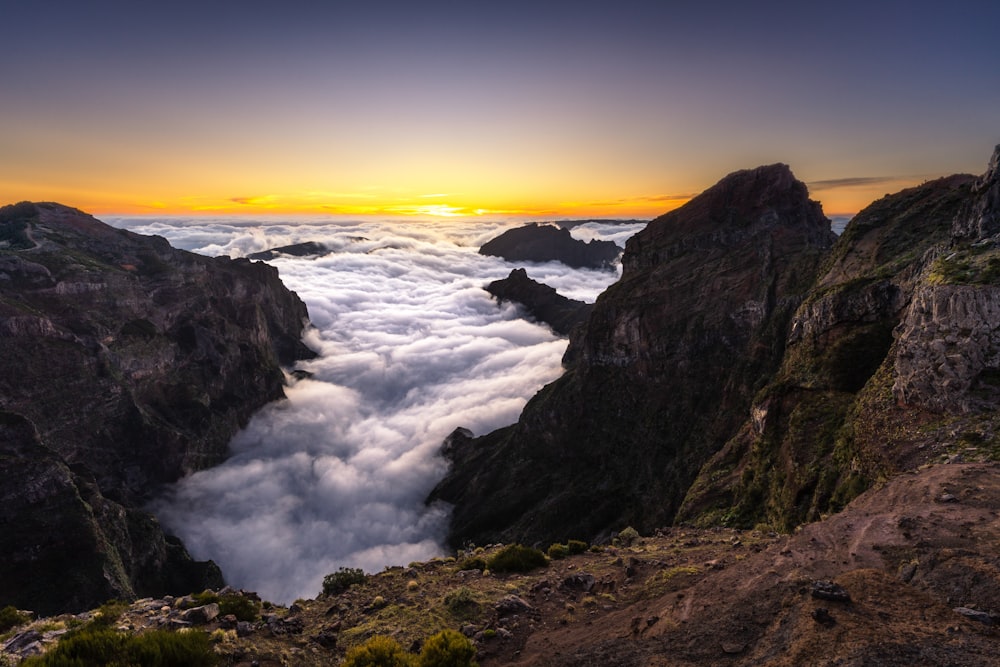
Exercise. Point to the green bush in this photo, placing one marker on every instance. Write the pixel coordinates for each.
(109, 613)
(628, 536)
(558, 551)
(448, 648)
(516, 558)
(576, 546)
(10, 616)
(379, 651)
(461, 603)
(342, 579)
(101, 646)
(473, 563)
(243, 608)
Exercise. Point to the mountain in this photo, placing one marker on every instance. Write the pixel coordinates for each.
(125, 364)
(542, 302)
(544, 243)
(748, 371)
(660, 377)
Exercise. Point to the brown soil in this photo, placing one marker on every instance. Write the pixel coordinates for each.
(907, 553)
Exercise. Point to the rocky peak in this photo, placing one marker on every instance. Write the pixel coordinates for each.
(661, 374)
(741, 205)
(124, 364)
(980, 217)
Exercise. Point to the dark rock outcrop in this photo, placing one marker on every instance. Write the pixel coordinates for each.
(542, 302)
(295, 250)
(893, 361)
(545, 243)
(124, 364)
(660, 377)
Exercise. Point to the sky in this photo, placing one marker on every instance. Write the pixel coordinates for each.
(531, 109)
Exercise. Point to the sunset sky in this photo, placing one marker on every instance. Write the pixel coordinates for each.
(541, 109)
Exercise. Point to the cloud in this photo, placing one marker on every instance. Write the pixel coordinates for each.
(411, 347)
(850, 182)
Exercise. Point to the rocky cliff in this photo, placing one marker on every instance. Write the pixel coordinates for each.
(124, 364)
(893, 361)
(542, 302)
(660, 378)
(748, 371)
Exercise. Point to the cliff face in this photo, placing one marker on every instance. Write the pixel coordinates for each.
(125, 364)
(893, 361)
(660, 378)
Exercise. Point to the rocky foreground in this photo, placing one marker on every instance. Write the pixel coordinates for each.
(124, 364)
(907, 574)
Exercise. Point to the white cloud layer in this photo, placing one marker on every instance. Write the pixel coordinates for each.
(411, 347)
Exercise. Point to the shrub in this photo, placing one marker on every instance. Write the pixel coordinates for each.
(448, 648)
(576, 546)
(109, 613)
(516, 558)
(342, 579)
(95, 645)
(379, 651)
(10, 616)
(460, 602)
(243, 608)
(473, 563)
(558, 551)
(628, 536)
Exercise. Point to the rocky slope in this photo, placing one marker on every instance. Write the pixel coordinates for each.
(544, 243)
(124, 364)
(907, 574)
(660, 378)
(542, 302)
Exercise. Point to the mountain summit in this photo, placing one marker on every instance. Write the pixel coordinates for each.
(660, 377)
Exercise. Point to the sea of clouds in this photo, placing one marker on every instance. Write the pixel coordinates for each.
(410, 347)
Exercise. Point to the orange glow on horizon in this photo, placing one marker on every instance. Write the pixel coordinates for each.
(837, 200)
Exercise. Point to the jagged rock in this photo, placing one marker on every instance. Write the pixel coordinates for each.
(542, 302)
(295, 250)
(543, 243)
(827, 590)
(979, 218)
(880, 340)
(327, 638)
(200, 615)
(155, 357)
(580, 581)
(512, 604)
(23, 643)
(244, 629)
(974, 615)
(822, 616)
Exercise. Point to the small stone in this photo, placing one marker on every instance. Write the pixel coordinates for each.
(511, 604)
(469, 630)
(731, 648)
(201, 615)
(974, 615)
(822, 616)
(947, 498)
(827, 590)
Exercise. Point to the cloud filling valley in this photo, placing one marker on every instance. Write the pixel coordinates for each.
(410, 347)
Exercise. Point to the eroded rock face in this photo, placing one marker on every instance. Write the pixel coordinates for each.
(659, 378)
(892, 361)
(124, 364)
(948, 349)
